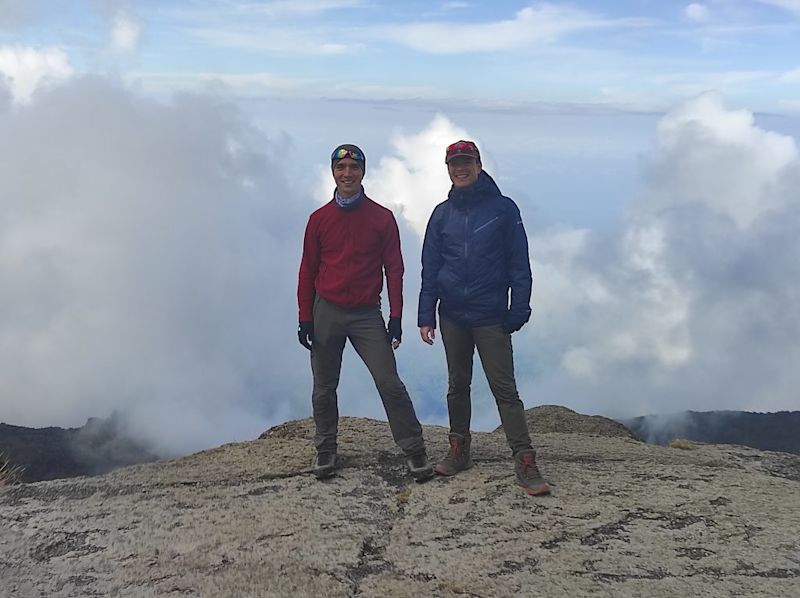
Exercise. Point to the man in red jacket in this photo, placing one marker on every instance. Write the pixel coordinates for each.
(349, 243)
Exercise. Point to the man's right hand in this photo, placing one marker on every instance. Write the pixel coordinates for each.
(305, 334)
(427, 333)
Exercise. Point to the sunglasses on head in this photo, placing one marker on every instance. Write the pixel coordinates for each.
(343, 152)
(462, 146)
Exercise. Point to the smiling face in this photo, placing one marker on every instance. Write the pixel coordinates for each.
(348, 175)
(463, 170)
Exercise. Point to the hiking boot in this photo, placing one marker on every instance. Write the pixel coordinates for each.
(419, 467)
(528, 475)
(324, 465)
(458, 458)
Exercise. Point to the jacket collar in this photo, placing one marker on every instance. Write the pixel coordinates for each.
(483, 188)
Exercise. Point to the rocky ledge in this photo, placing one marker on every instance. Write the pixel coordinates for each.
(248, 519)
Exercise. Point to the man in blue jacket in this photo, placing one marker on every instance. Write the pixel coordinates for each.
(475, 252)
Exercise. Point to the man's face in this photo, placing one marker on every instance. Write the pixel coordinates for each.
(463, 170)
(348, 175)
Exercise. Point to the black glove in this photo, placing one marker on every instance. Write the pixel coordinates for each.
(511, 325)
(305, 334)
(394, 331)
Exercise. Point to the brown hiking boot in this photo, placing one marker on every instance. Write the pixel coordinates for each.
(528, 475)
(458, 458)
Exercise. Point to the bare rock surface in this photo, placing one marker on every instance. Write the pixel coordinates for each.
(555, 418)
(248, 519)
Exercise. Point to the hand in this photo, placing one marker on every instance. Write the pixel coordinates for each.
(394, 332)
(510, 326)
(305, 334)
(427, 333)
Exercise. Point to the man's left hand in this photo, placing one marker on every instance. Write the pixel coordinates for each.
(510, 325)
(394, 332)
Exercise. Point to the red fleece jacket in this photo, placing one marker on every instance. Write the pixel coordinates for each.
(344, 255)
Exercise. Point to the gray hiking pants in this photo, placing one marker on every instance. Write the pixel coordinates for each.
(366, 330)
(494, 349)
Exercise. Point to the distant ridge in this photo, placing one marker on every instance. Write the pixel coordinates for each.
(778, 431)
(52, 453)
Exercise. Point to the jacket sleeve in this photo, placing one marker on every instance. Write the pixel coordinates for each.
(519, 268)
(393, 267)
(309, 267)
(432, 261)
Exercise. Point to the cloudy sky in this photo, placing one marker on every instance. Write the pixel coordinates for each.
(159, 160)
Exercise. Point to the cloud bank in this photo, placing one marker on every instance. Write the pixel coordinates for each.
(148, 257)
(690, 302)
(149, 253)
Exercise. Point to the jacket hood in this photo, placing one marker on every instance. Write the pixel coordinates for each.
(481, 189)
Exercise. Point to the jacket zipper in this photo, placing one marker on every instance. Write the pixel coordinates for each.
(482, 226)
(466, 253)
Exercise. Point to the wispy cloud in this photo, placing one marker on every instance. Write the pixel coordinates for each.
(790, 5)
(126, 32)
(792, 76)
(455, 5)
(689, 84)
(697, 12)
(277, 40)
(540, 24)
(295, 7)
(245, 85)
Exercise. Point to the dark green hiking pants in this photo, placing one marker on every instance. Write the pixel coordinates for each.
(494, 349)
(366, 330)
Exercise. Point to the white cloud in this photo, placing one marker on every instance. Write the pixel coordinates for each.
(690, 304)
(697, 136)
(126, 32)
(414, 179)
(532, 25)
(27, 68)
(148, 256)
(790, 5)
(697, 12)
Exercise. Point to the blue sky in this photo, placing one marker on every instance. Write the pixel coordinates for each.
(159, 161)
(633, 54)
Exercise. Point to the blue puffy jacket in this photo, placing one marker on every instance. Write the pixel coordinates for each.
(475, 251)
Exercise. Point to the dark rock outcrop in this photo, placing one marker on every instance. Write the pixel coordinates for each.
(51, 453)
(778, 431)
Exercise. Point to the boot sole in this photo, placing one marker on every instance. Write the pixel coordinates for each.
(540, 490)
(450, 472)
(422, 477)
(323, 473)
